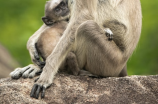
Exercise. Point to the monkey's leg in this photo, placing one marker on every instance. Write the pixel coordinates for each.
(25, 72)
(96, 53)
(72, 64)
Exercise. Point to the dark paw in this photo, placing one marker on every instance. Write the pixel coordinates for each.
(36, 90)
(40, 87)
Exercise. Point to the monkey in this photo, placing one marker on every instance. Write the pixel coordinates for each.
(85, 36)
(55, 21)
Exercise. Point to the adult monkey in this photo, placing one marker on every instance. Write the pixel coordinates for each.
(85, 36)
(56, 20)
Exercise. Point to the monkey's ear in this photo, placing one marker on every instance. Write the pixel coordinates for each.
(47, 21)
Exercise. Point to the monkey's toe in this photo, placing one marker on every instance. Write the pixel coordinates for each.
(17, 73)
(27, 72)
(39, 72)
(36, 90)
(33, 73)
(40, 87)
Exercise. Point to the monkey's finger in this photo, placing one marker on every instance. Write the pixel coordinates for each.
(32, 94)
(43, 92)
(39, 72)
(36, 62)
(27, 72)
(38, 91)
(33, 73)
(42, 64)
(36, 55)
(36, 59)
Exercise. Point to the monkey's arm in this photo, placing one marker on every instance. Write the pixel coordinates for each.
(31, 45)
(54, 60)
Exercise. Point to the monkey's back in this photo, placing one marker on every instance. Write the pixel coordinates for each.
(49, 39)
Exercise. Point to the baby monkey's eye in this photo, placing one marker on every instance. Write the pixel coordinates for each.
(57, 9)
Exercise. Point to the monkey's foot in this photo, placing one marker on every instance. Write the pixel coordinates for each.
(40, 87)
(108, 33)
(25, 72)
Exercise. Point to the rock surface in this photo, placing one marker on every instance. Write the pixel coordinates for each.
(69, 89)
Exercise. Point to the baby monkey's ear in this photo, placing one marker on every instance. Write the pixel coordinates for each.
(47, 21)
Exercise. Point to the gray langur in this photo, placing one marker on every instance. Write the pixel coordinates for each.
(85, 36)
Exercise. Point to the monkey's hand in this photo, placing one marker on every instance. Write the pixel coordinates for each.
(41, 84)
(108, 33)
(25, 72)
(35, 56)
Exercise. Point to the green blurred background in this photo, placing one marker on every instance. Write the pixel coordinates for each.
(19, 19)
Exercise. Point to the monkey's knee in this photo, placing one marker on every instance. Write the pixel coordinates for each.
(89, 28)
(72, 64)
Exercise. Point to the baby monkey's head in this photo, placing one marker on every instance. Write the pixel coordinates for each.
(56, 10)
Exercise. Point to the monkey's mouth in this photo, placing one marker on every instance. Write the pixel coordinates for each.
(47, 21)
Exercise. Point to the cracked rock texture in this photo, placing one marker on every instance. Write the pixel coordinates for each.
(68, 89)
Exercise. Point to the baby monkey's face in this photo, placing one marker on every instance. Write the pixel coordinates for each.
(55, 10)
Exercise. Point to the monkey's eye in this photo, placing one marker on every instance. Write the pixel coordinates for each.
(57, 9)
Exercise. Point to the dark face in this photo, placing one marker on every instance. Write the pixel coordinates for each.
(55, 14)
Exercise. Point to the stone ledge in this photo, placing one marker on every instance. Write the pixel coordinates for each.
(69, 89)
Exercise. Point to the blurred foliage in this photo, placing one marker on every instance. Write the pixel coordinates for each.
(20, 19)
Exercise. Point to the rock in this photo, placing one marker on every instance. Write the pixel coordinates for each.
(68, 89)
(7, 62)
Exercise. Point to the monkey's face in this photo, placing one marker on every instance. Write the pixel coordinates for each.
(55, 10)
